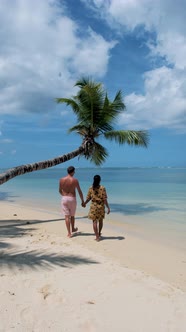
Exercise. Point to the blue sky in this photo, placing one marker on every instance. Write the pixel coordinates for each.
(137, 46)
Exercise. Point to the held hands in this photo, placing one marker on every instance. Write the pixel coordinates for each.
(83, 204)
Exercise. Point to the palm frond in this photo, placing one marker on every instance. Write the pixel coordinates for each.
(111, 110)
(118, 103)
(84, 81)
(131, 137)
(96, 116)
(80, 129)
(69, 102)
(96, 154)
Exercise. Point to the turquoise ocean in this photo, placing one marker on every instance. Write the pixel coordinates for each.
(149, 202)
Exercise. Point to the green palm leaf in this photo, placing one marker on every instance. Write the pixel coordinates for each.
(131, 137)
(69, 102)
(97, 154)
(97, 116)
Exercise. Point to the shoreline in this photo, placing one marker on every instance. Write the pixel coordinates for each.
(50, 282)
(122, 242)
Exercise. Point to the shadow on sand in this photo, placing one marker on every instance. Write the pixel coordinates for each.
(14, 226)
(6, 196)
(102, 237)
(36, 259)
(134, 209)
(112, 238)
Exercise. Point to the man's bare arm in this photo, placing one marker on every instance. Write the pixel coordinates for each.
(60, 188)
(80, 192)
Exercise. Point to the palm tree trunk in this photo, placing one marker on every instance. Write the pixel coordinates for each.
(19, 170)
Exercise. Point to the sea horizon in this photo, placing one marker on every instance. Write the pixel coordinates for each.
(97, 167)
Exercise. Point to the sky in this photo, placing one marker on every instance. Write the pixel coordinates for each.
(136, 46)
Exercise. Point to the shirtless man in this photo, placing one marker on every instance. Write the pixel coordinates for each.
(67, 188)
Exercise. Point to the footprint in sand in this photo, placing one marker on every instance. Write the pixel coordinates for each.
(25, 313)
(89, 326)
(45, 291)
(11, 293)
(167, 292)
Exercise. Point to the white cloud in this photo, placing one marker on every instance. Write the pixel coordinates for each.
(164, 101)
(164, 17)
(42, 54)
(95, 66)
(162, 105)
(6, 140)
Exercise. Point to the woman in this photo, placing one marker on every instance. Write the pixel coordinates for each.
(98, 197)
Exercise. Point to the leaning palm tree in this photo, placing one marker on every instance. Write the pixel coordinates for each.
(96, 116)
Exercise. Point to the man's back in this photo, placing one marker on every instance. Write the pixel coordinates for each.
(68, 186)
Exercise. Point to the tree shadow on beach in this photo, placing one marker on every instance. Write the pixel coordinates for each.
(17, 228)
(36, 259)
(11, 228)
(4, 245)
(134, 209)
(10, 257)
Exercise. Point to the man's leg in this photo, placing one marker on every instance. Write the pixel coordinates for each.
(74, 229)
(66, 212)
(67, 221)
(73, 206)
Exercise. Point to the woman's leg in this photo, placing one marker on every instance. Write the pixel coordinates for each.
(100, 226)
(95, 227)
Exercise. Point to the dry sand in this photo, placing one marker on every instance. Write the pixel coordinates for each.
(49, 282)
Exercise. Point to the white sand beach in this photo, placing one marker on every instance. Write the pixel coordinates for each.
(49, 282)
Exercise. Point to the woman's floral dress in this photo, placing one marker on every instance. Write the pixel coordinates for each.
(97, 206)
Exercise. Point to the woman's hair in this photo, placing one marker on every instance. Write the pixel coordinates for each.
(96, 181)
